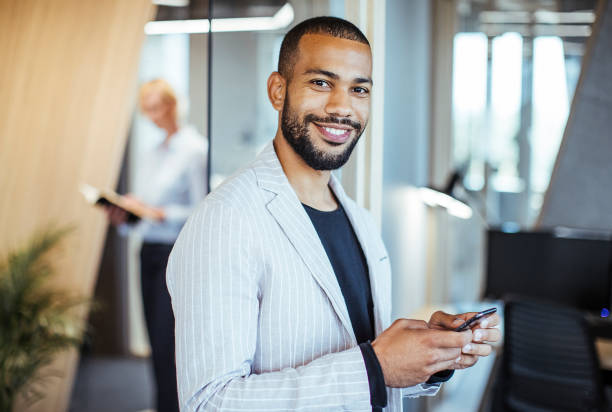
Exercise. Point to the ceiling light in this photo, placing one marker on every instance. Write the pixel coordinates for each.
(281, 19)
(535, 30)
(171, 3)
(574, 17)
(540, 16)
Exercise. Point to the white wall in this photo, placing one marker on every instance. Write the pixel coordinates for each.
(405, 163)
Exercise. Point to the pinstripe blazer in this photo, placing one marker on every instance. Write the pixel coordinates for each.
(261, 322)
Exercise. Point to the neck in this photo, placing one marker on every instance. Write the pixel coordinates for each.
(171, 128)
(310, 185)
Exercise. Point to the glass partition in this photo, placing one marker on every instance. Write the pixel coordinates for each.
(242, 118)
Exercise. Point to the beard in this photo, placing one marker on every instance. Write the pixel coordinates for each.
(297, 134)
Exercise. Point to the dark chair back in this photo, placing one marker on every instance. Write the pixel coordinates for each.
(549, 361)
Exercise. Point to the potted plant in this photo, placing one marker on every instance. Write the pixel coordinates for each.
(36, 321)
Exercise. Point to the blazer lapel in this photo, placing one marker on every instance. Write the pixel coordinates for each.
(289, 213)
(369, 250)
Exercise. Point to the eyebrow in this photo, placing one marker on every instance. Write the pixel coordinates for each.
(334, 76)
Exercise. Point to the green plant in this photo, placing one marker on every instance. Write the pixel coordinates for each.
(36, 322)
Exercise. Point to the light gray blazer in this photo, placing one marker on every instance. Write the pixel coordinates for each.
(261, 322)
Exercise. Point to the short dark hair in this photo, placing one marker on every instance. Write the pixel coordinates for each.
(332, 26)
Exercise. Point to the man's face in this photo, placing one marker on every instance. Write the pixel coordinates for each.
(327, 101)
(156, 109)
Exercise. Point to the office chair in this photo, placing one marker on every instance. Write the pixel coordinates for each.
(549, 362)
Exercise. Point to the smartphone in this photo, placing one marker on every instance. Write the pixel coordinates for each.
(478, 316)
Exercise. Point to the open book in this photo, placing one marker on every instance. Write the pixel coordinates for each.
(101, 197)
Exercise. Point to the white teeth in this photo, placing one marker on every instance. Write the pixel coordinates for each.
(337, 132)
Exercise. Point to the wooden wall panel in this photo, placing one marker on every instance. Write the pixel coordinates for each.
(67, 88)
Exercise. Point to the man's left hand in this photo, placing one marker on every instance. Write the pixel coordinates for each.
(484, 331)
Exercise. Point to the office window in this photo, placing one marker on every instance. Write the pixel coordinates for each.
(514, 75)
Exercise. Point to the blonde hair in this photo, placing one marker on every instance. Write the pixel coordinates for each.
(163, 88)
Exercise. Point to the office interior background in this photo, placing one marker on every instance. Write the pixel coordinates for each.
(510, 97)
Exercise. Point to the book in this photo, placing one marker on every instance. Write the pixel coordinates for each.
(103, 197)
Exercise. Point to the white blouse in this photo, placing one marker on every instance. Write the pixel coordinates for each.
(172, 177)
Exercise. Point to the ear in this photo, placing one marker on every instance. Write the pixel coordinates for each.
(276, 90)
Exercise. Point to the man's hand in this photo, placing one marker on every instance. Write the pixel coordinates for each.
(484, 332)
(409, 352)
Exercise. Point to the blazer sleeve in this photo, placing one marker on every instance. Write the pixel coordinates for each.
(421, 389)
(212, 277)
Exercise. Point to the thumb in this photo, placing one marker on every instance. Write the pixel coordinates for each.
(445, 320)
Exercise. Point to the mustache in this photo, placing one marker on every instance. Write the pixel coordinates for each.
(331, 119)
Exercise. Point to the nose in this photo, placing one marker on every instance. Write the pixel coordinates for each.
(339, 103)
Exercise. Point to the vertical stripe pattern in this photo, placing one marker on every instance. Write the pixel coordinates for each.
(261, 324)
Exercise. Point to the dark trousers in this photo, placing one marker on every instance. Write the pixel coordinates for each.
(160, 322)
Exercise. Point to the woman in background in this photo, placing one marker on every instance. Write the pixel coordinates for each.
(173, 180)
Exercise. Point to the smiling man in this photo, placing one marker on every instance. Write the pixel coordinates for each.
(281, 284)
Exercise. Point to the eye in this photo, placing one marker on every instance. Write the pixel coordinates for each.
(320, 83)
(361, 91)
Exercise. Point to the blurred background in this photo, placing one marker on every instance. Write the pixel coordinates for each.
(472, 102)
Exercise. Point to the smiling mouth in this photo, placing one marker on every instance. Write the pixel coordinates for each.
(334, 135)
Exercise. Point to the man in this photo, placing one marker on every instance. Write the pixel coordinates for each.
(279, 281)
(172, 182)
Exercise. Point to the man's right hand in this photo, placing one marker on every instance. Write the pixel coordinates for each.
(409, 352)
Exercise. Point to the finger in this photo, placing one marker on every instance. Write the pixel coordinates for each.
(467, 315)
(446, 320)
(449, 339)
(467, 361)
(477, 349)
(440, 318)
(486, 335)
(455, 363)
(414, 324)
(441, 355)
(461, 362)
(490, 321)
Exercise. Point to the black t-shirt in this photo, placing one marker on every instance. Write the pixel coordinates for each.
(350, 266)
(351, 269)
